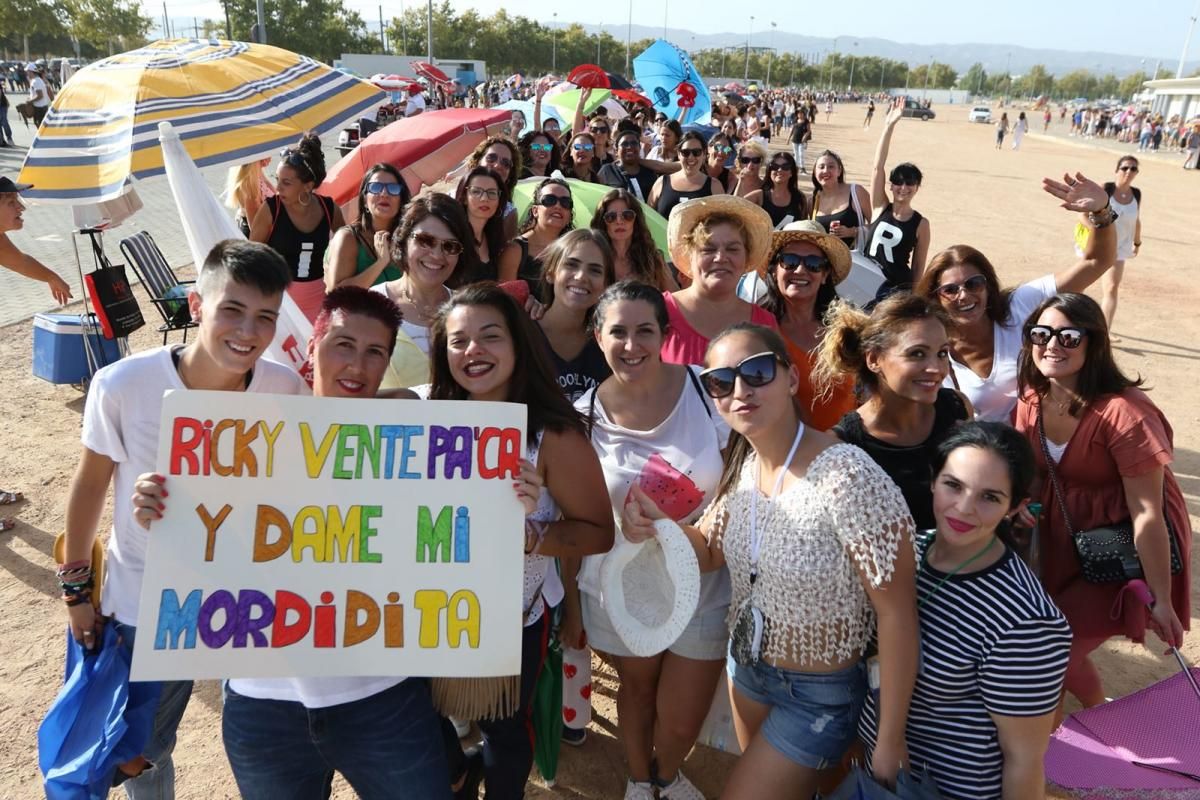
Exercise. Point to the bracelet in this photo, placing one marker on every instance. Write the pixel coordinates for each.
(74, 565)
(73, 600)
(1102, 218)
(535, 531)
(1137, 244)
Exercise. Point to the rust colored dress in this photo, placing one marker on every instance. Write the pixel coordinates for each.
(1120, 435)
(825, 412)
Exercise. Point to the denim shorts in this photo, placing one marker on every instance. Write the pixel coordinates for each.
(814, 715)
(706, 637)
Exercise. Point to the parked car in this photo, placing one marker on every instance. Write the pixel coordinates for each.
(980, 114)
(917, 111)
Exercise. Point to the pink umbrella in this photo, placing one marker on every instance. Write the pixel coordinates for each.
(432, 73)
(424, 148)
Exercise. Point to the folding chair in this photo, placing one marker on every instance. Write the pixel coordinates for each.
(161, 284)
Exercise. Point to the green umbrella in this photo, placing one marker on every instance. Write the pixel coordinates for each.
(566, 101)
(587, 196)
(547, 711)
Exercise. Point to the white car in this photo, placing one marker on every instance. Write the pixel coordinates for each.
(980, 114)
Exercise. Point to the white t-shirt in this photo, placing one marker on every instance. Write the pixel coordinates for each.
(416, 102)
(995, 396)
(38, 84)
(121, 421)
(678, 463)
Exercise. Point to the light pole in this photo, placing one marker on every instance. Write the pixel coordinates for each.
(1007, 77)
(771, 56)
(853, 53)
(1188, 41)
(724, 52)
(882, 71)
(665, 4)
(599, 33)
(928, 71)
(629, 34)
(979, 80)
(429, 31)
(830, 59)
(554, 44)
(749, 33)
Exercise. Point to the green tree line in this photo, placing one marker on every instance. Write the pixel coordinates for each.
(55, 27)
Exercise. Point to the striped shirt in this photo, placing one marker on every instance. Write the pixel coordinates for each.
(992, 642)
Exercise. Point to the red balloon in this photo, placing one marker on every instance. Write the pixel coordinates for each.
(687, 95)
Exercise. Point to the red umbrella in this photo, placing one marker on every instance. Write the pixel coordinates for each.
(432, 73)
(631, 96)
(424, 148)
(590, 76)
(392, 82)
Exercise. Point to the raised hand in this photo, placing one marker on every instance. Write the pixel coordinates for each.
(1077, 192)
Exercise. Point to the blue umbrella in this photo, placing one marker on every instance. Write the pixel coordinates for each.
(661, 68)
(526, 108)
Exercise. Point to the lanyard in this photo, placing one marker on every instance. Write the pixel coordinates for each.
(953, 572)
(755, 535)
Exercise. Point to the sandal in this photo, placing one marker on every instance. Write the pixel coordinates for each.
(8, 498)
(7, 524)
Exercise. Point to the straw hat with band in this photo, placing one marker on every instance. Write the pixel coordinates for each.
(685, 216)
(811, 231)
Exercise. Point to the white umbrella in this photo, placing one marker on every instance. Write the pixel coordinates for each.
(205, 223)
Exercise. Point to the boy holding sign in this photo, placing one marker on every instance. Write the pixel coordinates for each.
(236, 303)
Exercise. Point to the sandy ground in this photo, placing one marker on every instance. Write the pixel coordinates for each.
(973, 194)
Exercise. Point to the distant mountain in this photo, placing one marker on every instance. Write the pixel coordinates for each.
(959, 56)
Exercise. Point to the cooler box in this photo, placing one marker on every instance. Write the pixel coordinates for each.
(58, 343)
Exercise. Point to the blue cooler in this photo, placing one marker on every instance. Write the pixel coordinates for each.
(58, 343)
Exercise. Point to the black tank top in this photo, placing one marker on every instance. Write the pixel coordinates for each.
(303, 252)
(794, 208)
(846, 216)
(671, 197)
(891, 243)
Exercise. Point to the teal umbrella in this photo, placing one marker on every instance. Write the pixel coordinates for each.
(587, 196)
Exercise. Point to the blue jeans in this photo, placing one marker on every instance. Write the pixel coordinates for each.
(5, 130)
(386, 745)
(158, 782)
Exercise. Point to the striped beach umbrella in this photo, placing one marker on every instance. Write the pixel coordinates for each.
(230, 102)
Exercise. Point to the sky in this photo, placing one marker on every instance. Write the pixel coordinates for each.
(1113, 26)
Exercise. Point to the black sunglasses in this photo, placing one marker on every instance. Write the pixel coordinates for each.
(757, 370)
(792, 262)
(972, 284)
(293, 159)
(492, 158)
(750, 159)
(601, 129)
(552, 200)
(691, 152)
(1127, 168)
(629, 215)
(780, 166)
(1070, 338)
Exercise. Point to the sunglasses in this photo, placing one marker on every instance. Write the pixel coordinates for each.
(691, 152)
(1070, 338)
(294, 159)
(628, 144)
(781, 166)
(476, 193)
(757, 370)
(629, 215)
(723, 149)
(552, 200)
(750, 159)
(379, 187)
(905, 182)
(973, 284)
(539, 147)
(1127, 168)
(792, 262)
(598, 129)
(492, 158)
(450, 247)
(581, 147)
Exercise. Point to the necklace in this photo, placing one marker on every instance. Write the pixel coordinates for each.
(954, 571)
(424, 310)
(1063, 407)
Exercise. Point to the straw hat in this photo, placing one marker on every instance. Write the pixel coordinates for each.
(808, 230)
(686, 215)
(651, 589)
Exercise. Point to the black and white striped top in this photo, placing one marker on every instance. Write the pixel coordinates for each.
(992, 642)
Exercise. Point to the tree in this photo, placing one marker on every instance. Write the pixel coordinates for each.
(1076, 83)
(1131, 85)
(1034, 83)
(106, 23)
(322, 29)
(974, 79)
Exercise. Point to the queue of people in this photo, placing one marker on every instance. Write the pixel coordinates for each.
(849, 479)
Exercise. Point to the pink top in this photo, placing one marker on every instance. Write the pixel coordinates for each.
(683, 344)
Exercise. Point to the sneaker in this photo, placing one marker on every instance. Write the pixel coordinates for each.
(680, 789)
(574, 736)
(636, 790)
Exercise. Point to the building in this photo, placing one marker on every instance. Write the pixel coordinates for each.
(1175, 96)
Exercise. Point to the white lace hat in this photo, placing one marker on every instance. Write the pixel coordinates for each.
(651, 589)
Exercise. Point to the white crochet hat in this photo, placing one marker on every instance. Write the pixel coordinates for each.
(651, 589)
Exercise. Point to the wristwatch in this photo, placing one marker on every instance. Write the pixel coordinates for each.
(1102, 218)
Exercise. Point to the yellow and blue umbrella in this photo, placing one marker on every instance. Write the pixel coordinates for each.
(230, 102)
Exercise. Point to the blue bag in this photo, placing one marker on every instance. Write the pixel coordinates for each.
(98, 720)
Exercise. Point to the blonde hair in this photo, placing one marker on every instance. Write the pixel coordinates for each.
(243, 187)
(703, 231)
(753, 148)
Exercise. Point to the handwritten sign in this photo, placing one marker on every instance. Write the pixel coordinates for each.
(310, 536)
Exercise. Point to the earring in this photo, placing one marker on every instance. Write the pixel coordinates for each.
(306, 198)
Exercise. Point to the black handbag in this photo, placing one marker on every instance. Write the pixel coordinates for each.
(1107, 554)
(112, 297)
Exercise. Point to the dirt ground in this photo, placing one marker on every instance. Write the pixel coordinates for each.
(972, 194)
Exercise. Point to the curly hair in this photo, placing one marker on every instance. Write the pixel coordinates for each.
(645, 259)
(476, 159)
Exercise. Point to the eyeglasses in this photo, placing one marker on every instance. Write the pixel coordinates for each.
(757, 370)
(450, 247)
(750, 159)
(540, 147)
(580, 147)
(792, 262)
(552, 200)
(1070, 338)
(492, 158)
(476, 193)
(600, 129)
(629, 215)
(691, 152)
(1127, 168)
(973, 284)
(379, 187)
(781, 166)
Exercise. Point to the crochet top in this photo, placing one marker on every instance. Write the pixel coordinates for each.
(843, 516)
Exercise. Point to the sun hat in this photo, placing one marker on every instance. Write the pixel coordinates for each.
(808, 230)
(7, 185)
(651, 589)
(685, 216)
